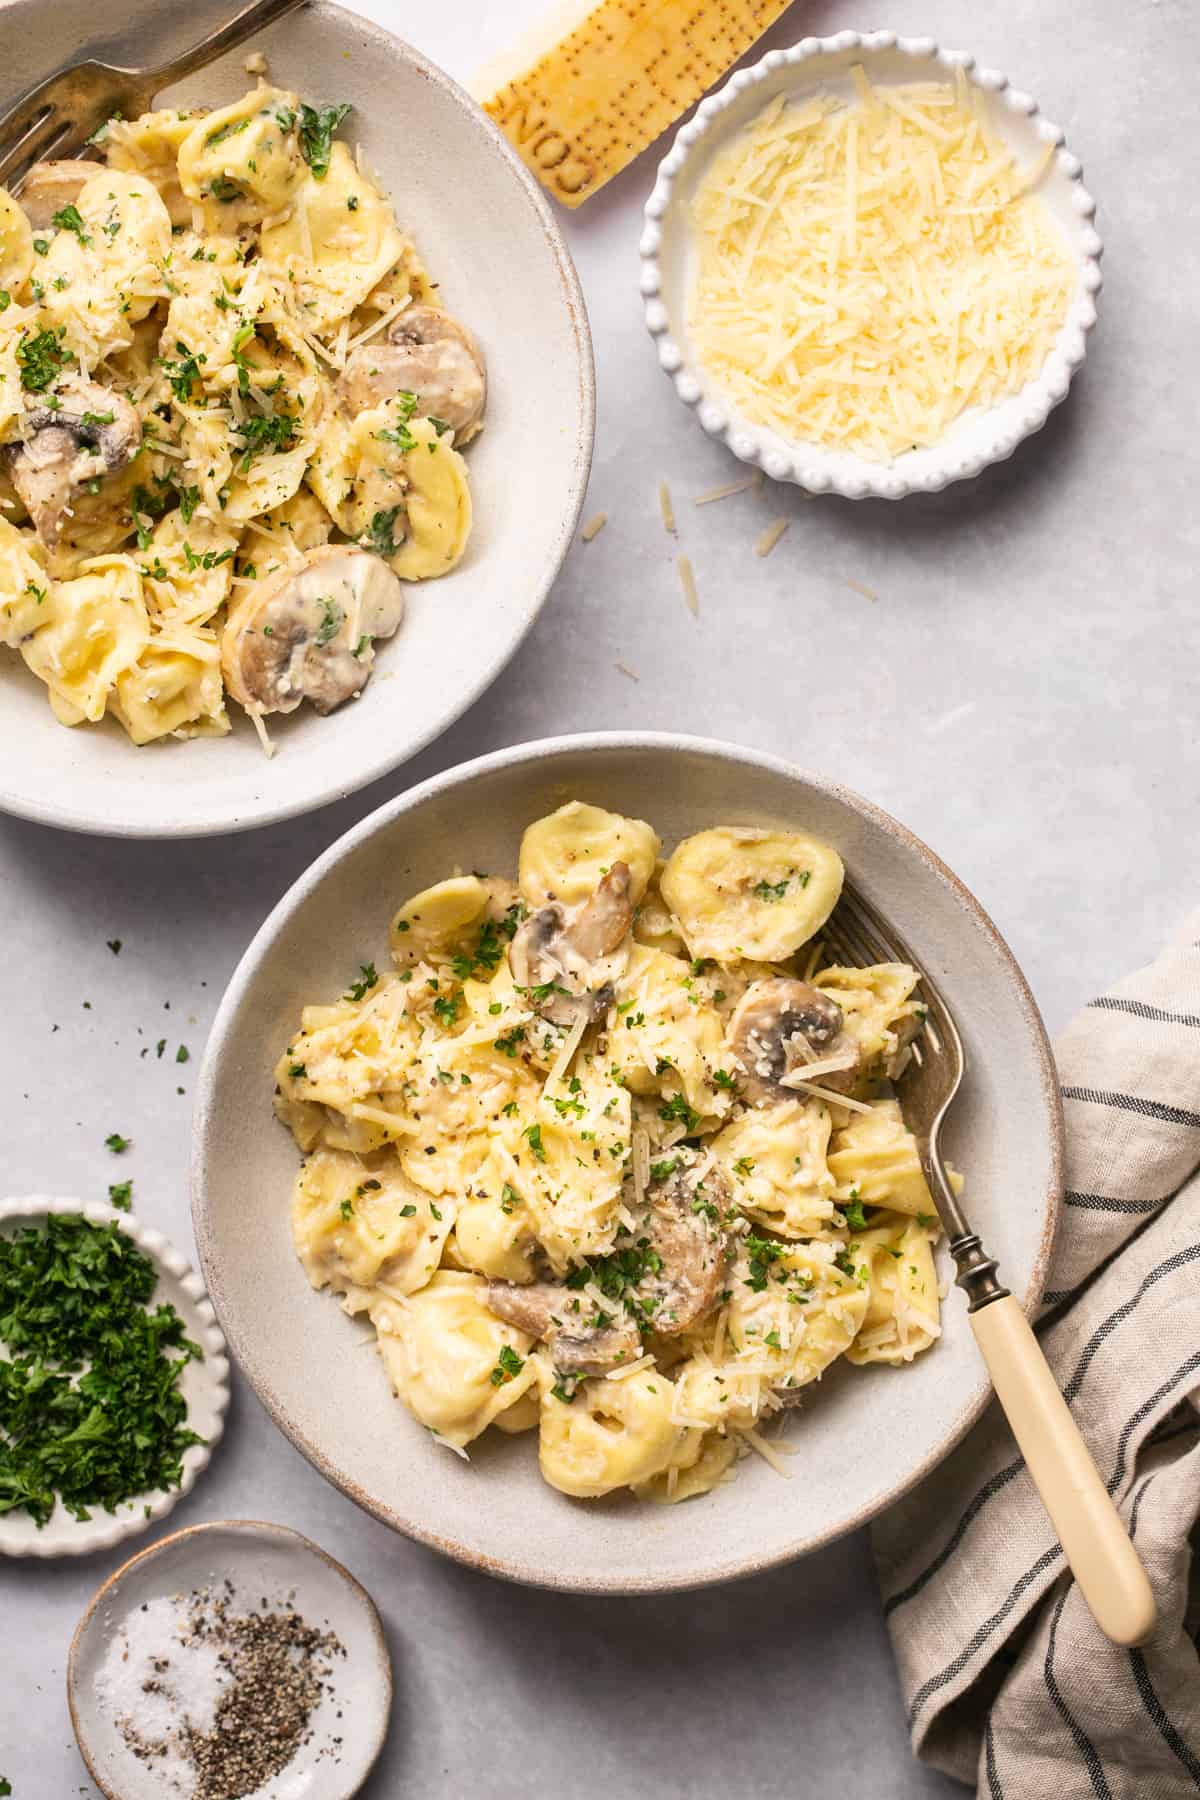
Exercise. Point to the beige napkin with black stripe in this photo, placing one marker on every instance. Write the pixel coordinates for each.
(1007, 1681)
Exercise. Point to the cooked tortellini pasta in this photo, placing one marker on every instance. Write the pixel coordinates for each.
(232, 403)
(597, 1160)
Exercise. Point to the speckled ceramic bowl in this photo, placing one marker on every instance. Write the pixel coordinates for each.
(863, 1436)
(482, 224)
(204, 1385)
(978, 437)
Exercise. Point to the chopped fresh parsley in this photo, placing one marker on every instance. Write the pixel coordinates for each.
(771, 890)
(39, 594)
(533, 1133)
(380, 535)
(183, 375)
(346, 1209)
(762, 1253)
(509, 1198)
(677, 1108)
(42, 359)
(368, 980)
(507, 1044)
(317, 126)
(182, 1054)
(264, 432)
(407, 1210)
(446, 1008)
(69, 218)
(241, 338)
(206, 559)
(90, 1407)
(5, 299)
(723, 1079)
(406, 405)
(659, 1171)
(856, 1218)
(229, 129)
(116, 1143)
(297, 1071)
(331, 620)
(926, 1219)
(119, 1194)
(508, 1364)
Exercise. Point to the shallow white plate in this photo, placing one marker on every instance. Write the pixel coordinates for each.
(487, 234)
(978, 437)
(863, 1437)
(267, 1562)
(204, 1385)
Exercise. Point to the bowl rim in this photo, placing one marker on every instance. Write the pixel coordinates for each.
(511, 1567)
(812, 466)
(175, 1273)
(63, 815)
(250, 1528)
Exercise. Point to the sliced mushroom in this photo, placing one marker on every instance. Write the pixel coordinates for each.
(89, 434)
(681, 1245)
(552, 1312)
(779, 1028)
(685, 1231)
(49, 186)
(429, 354)
(307, 632)
(568, 958)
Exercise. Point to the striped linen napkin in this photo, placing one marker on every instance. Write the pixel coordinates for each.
(1007, 1681)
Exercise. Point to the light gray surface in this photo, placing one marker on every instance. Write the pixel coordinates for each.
(1023, 694)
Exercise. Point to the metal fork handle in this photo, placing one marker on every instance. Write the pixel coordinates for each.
(235, 31)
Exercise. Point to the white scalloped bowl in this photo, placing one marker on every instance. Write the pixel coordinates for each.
(204, 1385)
(978, 437)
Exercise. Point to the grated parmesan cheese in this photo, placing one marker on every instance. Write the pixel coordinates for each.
(770, 537)
(666, 508)
(868, 270)
(594, 526)
(687, 580)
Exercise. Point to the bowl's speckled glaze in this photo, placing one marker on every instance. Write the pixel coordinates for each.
(864, 1436)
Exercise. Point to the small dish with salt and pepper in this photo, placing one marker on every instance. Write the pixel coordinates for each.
(230, 1659)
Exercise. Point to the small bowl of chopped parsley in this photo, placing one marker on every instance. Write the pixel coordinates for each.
(113, 1376)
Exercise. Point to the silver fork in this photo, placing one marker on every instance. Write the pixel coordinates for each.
(1095, 1542)
(58, 116)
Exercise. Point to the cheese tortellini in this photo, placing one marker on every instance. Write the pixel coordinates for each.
(601, 1160)
(225, 378)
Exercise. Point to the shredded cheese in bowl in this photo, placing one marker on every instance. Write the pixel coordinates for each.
(870, 269)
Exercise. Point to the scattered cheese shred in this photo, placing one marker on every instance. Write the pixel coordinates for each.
(594, 525)
(628, 673)
(688, 582)
(869, 269)
(666, 508)
(770, 537)
(860, 587)
(728, 489)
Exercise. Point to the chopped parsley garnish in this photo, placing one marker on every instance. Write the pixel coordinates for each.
(771, 890)
(113, 944)
(297, 1071)
(331, 620)
(533, 1133)
(241, 337)
(31, 587)
(229, 129)
(744, 1166)
(346, 1209)
(380, 535)
(507, 1045)
(723, 1079)
(69, 218)
(508, 1364)
(206, 559)
(856, 1218)
(446, 1008)
(182, 1054)
(772, 1338)
(762, 1253)
(264, 432)
(489, 948)
(90, 1408)
(677, 1108)
(566, 1388)
(5, 299)
(223, 189)
(317, 126)
(119, 1194)
(509, 1198)
(845, 1262)
(146, 504)
(116, 1143)
(659, 1171)
(407, 1211)
(184, 375)
(368, 980)
(401, 436)
(42, 359)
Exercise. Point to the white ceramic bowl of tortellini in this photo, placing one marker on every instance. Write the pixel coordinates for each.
(862, 1435)
(485, 238)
